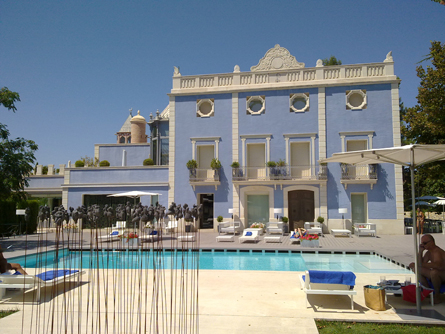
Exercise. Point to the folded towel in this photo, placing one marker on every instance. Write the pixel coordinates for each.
(442, 287)
(332, 277)
(51, 274)
(248, 234)
(114, 233)
(154, 233)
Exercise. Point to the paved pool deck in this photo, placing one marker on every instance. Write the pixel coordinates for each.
(229, 301)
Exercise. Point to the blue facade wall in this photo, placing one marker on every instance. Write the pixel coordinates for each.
(45, 182)
(188, 125)
(377, 117)
(136, 154)
(109, 175)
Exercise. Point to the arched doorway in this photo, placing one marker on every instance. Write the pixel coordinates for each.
(301, 208)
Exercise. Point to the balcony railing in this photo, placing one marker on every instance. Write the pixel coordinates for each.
(358, 172)
(204, 175)
(245, 173)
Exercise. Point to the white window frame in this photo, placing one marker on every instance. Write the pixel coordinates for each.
(198, 141)
(368, 135)
(245, 138)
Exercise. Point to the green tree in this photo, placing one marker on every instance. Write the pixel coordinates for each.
(16, 155)
(331, 61)
(425, 122)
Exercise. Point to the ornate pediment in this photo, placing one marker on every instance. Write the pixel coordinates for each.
(277, 58)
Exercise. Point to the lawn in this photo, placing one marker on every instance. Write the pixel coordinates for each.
(327, 327)
(5, 313)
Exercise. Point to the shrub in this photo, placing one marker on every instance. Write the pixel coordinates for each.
(45, 170)
(8, 216)
(104, 163)
(215, 164)
(30, 227)
(79, 163)
(320, 220)
(281, 163)
(219, 219)
(284, 219)
(192, 164)
(235, 164)
(148, 162)
(271, 164)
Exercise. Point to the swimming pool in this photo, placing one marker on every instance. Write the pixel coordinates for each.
(211, 260)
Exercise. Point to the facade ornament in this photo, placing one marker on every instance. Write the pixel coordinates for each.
(319, 63)
(176, 71)
(236, 69)
(277, 58)
(389, 58)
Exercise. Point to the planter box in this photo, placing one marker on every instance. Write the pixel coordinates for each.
(310, 243)
(131, 242)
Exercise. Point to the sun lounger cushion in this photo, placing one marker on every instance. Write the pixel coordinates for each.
(52, 274)
(332, 277)
(248, 234)
(114, 233)
(154, 233)
(442, 287)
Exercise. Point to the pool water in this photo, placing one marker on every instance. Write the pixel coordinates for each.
(210, 260)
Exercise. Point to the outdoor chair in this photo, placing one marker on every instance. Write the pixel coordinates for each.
(113, 236)
(249, 236)
(230, 227)
(321, 282)
(314, 228)
(48, 278)
(152, 236)
(275, 227)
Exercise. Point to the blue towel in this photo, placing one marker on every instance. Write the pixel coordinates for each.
(332, 277)
(115, 233)
(248, 234)
(154, 233)
(442, 287)
(51, 274)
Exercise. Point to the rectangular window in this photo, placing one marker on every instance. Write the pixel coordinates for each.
(300, 160)
(204, 157)
(256, 161)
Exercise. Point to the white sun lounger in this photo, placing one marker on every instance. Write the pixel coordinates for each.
(329, 283)
(113, 236)
(152, 236)
(48, 278)
(249, 236)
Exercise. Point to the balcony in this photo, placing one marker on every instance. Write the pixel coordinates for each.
(358, 174)
(204, 177)
(280, 175)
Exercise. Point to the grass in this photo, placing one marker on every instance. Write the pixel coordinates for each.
(5, 313)
(327, 327)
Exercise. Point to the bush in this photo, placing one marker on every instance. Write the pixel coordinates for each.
(30, 227)
(8, 217)
(284, 219)
(191, 164)
(148, 162)
(271, 164)
(235, 164)
(104, 163)
(79, 163)
(45, 170)
(215, 164)
(320, 220)
(219, 219)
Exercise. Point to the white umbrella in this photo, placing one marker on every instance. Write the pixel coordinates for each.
(441, 202)
(134, 194)
(410, 156)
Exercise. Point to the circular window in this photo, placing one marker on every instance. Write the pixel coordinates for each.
(256, 104)
(205, 108)
(356, 99)
(299, 102)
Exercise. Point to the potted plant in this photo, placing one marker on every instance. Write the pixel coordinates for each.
(148, 162)
(104, 163)
(192, 165)
(320, 219)
(285, 220)
(310, 240)
(272, 168)
(219, 219)
(281, 168)
(130, 239)
(215, 164)
(79, 163)
(236, 171)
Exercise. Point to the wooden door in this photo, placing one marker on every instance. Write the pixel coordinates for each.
(301, 208)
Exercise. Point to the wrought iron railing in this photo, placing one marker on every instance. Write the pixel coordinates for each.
(359, 172)
(313, 172)
(203, 175)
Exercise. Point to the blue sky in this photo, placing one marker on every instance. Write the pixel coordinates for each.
(79, 66)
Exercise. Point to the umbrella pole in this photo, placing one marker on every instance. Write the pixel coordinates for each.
(416, 250)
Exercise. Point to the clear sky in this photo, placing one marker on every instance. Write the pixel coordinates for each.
(79, 66)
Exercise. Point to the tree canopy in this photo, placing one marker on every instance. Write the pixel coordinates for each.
(425, 122)
(331, 61)
(16, 155)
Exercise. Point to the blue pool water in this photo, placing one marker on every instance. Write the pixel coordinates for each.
(207, 260)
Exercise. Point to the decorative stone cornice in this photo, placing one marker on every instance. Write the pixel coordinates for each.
(277, 58)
